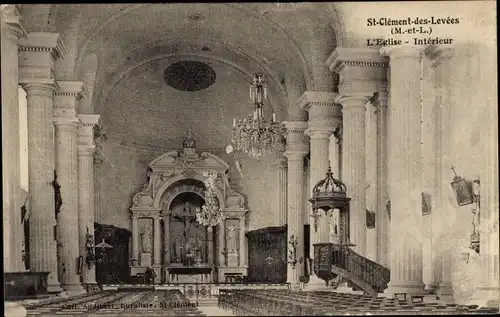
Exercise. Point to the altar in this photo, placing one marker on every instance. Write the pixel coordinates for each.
(166, 234)
(197, 274)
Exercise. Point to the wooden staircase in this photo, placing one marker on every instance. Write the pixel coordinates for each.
(333, 260)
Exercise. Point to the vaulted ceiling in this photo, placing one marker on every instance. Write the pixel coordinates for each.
(280, 40)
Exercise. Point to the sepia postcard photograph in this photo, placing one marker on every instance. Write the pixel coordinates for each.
(250, 159)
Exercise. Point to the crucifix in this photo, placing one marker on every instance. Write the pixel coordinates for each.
(187, 218)
(453, 169)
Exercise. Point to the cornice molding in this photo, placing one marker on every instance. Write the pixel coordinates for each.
(70, 88)
(402, 51)
(89, 119)
(318, 98)
(44, 42)
(359, 57)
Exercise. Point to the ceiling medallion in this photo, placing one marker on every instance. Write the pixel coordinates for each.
(189, 76)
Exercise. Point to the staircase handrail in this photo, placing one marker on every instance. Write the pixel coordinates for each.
(363, 268)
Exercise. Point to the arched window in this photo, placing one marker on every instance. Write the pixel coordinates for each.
(23, 138)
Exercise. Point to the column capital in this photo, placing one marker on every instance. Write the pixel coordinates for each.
(295, 155)
(295, 126)
(296, 139)
(86, 132)
(12, 21)
(40, 88)
(353, 101)
(402, 51)
(317, 134)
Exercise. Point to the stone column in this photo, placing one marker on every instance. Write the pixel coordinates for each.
(297, 148)
(353, 109)
(166, 236)
(324, 117)
(382, 217)
(404, 160)
(210, 249)
(12, 30)
(440, 225)
(321, 125)
(243, 251)
(135, 238)
(37, 55)
(86, 148)
(97, 188)
(281, 167)
(66, 125)
(157, 241)
(362, 73)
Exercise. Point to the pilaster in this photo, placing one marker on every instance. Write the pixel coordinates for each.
(98, 159)
(281, 188)
(12, 30)
(157, 241)
(382, 220)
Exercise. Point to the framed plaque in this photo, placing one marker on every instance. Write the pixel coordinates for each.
(462, 191)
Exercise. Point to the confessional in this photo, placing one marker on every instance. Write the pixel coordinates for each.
(112, 264)
(267, 249)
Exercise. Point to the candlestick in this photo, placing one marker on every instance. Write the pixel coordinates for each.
(234, 122)
(274, 117)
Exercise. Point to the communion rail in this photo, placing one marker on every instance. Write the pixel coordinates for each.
(332, 260)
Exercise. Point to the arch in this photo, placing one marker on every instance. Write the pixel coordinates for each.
(337, 25)
(87, 74)
(297, 50)
(157, 199)
(169, 195)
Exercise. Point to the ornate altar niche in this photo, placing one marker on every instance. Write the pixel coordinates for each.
(165, 233)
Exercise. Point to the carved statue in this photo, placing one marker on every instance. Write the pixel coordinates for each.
(232, 239)
(57, 194)
(146, 239)
(189, 142)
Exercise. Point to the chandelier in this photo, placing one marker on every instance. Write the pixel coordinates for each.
(210, 214)
(255, 136)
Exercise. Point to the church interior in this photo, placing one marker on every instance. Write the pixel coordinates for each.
(197, 159)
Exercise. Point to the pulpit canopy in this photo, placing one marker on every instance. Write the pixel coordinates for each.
(329, 193)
